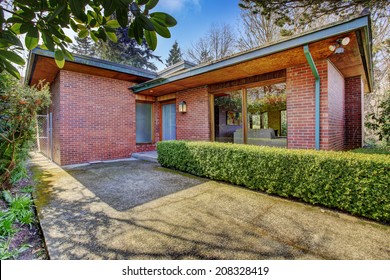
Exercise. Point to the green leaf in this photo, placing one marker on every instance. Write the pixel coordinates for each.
(24, 28)
(2, 19)
(146, 23)
(164, 18)
(67, 54)
(113, 23)
(138, 30)
(8, 39)
(122, 18)
(83, 33)
(32, 38)
(47, 39)
(93, 37)
(16, 28)
(151, 39)
(142, 2)
(12, 56)
(73, 25)
(57, 11)
(161, 30)
(151, 4)
(59, 58)
(112, 36)
(10, 69)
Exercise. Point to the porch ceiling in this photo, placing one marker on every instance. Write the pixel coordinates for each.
(349, 63)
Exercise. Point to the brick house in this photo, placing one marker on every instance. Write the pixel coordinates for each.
(304, 92)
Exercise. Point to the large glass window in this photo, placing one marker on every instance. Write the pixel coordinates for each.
(266, 113)
(228, 117)
(143, 123)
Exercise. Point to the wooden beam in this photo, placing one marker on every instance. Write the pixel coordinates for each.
(244, 116)
(263, 79)
(140, 97)
(212, 118)
(166, 97)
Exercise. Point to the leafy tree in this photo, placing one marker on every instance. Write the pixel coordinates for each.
(127, 51)
(284, 11)
(380, 122)
(18, 106)
(175, 55)
(47, 19)
(83, 46)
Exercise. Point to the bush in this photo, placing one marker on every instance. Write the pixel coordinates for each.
(356, 183)
(18, 107)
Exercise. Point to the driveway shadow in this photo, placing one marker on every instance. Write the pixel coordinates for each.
(124, 185)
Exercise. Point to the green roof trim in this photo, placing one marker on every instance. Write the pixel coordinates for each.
(362, 23)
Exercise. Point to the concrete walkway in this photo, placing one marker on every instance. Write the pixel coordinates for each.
(111, 211)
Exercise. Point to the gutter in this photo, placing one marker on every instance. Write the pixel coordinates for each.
(317, 94)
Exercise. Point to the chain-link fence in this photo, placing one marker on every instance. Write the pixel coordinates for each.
(44, 137)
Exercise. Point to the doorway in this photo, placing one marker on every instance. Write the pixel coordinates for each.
(169, 121)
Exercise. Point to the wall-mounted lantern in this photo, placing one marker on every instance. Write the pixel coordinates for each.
(183, 107)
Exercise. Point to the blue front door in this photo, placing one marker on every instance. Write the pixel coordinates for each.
(169, 122)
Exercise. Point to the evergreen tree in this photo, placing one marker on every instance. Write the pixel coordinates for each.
(83, 46)
(175, 55)
(127, 51)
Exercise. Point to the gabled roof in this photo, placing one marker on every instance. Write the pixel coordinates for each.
(279, 55)
(41, 66)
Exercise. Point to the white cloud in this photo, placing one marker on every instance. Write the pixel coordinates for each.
(178, 5)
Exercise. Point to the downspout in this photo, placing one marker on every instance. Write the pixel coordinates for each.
(317, 94)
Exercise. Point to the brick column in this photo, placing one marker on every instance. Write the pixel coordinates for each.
(353, 113)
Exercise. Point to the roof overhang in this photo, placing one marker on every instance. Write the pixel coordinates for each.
(41, 66)
(356, 60)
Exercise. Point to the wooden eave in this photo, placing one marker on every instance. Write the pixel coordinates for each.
(354, 61)
(43, 67)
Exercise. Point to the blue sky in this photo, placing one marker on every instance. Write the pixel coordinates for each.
(194, 18)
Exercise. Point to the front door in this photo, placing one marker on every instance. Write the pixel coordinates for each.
(169, 121)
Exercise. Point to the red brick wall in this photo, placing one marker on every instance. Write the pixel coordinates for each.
(195, 124)
(300, 85)
(336, 102)
(301, 107)
(353, 112)
(97, 118)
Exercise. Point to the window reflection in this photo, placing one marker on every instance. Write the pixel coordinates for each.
(266, 112)
(228, 117)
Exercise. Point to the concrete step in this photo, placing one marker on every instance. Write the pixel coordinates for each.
(147, 156)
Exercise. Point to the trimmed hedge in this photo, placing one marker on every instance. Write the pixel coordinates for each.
(356, 183)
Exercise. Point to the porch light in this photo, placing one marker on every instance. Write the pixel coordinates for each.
(183, 107)
(338, 46)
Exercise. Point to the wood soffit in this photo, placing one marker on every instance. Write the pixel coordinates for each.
(349, 64)
(46, 69)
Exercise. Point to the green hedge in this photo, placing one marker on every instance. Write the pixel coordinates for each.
(356, 183)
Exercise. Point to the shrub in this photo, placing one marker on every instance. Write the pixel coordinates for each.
(356, 183)
(18, 107)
